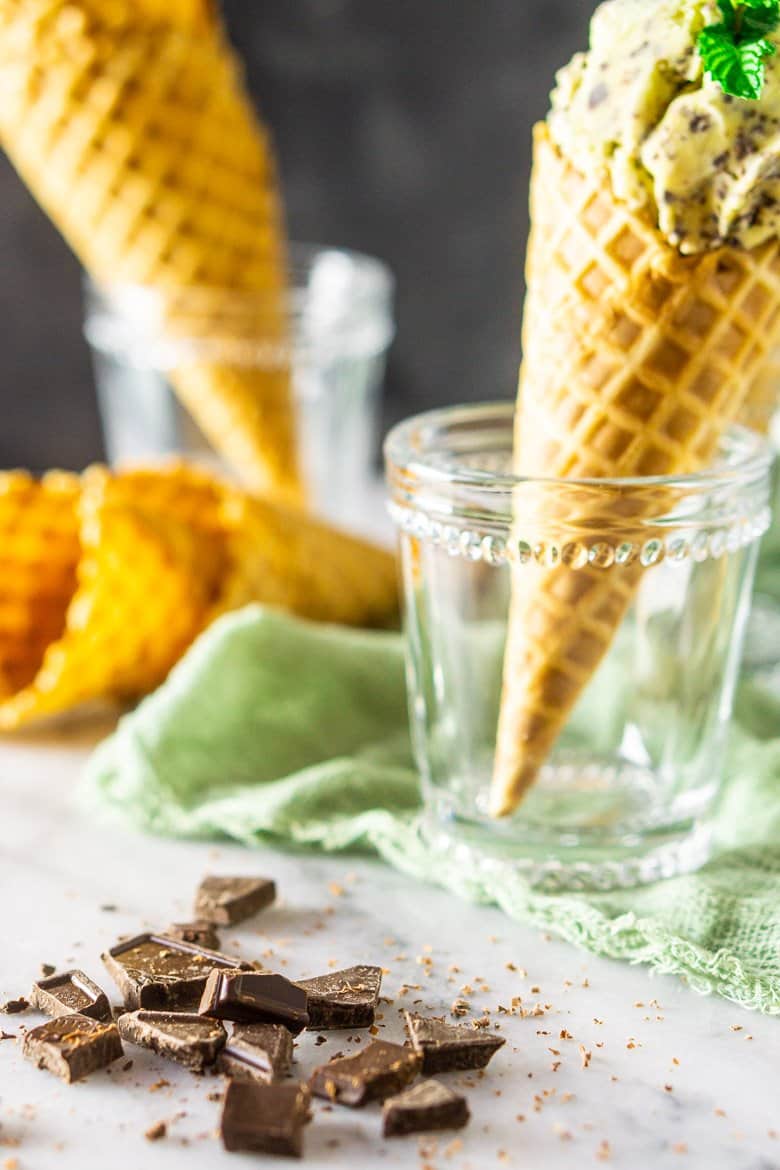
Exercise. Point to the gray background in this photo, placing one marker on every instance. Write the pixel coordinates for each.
(403, 129)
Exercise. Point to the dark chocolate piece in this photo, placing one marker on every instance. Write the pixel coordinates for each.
(257, 1052)
(73, 1046)
(379, 1071)
(343, 999)
(201, 933)
(189, 1040)
(228, 900)
(164, 974)
(254, 999)
(429, 1105)
(449, 1047)
(266, 1118)
(72, 991)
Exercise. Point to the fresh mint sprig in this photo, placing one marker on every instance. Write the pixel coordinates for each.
(734, 50)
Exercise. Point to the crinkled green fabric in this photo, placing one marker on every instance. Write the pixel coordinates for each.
(277, 730)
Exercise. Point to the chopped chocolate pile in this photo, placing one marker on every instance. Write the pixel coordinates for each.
(73, 1046)
(426, 1106)
(178, 988)
(268, 1119)
(450, 1047)
(228, 900)
(343, 999)
(254, 999)
(379, 1071)
(190, 1040)
(72, 991)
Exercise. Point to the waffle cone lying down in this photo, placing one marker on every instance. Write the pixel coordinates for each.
(636, 359)
(137, 564)
(130, 124)
(39, 552)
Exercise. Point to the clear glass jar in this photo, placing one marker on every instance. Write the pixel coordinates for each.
(625, 795)
(762, 648)
(342, 327)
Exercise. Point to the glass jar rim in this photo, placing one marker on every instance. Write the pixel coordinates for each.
(410, 454)
(353, 316)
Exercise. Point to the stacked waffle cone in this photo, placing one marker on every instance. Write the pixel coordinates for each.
(130, 123)
(635, 361)
(107, 579)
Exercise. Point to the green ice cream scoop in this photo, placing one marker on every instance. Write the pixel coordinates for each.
(642, 105)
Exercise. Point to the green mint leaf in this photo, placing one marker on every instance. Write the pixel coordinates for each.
(738, 68)
(733, 52)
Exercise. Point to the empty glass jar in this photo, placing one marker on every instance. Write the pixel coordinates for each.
(625, 794)
(342, 326)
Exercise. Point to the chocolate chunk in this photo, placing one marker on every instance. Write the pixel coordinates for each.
(379, 1071)
(160, 973)
(266, 1118)
(69, 992)
(201, 933)
(257, 1052)
(447, 1047)
(13, 1007)
(429, 1105)
(254, 999)
(228, 900)
(343, 999)
(189, 1040)
(73, 1046)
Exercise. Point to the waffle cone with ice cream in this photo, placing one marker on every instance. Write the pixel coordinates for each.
(640, 347)
(130, 123)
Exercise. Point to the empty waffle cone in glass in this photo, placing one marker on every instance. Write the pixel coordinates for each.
(133, 129)
(636, 359)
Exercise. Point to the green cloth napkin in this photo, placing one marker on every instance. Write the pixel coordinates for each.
(277, 730)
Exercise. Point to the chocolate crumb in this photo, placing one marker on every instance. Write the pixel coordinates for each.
(156, 1131)
(47, 969)
(13, 1007)
(108, 908)
(321, 1040)
(7, 1035)
(127, 1066)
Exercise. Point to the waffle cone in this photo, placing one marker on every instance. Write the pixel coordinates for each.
(282, 557)
(635, 361)
(109, 578)
(39, 552)
(131, 126)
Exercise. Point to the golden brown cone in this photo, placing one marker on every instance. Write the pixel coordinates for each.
(635, 360)
(110, 578)
(138, 138)
(39, 552)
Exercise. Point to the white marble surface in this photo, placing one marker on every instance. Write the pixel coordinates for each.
(674, 1080)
